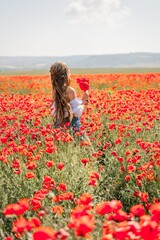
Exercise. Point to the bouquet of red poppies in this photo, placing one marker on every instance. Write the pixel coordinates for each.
(83, 84)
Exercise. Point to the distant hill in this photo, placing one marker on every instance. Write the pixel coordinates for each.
(130, 60)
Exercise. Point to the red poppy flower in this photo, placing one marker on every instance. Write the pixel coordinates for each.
(84, 199)
(60, 166)
(21, 224)
(44, 233)
(17, 208)
(63, 196)
(62, 187)
(49, 164)
(83, 84)
(48, 182)
(57, 209)
(30, 175)
(35, 222)
(82, 220)
(35, 204)
(8, 238)
(127, 178)
(137, 210)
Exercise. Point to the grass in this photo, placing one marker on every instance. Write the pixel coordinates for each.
(122, 124)
(81, 71)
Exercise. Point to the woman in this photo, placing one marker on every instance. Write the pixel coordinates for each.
(66, 107)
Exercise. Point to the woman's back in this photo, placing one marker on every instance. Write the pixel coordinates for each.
(66, 106)
(75, 103)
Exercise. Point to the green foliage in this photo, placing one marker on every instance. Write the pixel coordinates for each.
(112, 183)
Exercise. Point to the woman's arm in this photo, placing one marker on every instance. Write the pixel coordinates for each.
(85, 97)
(77, 104)
(71, 93)
(53, 110)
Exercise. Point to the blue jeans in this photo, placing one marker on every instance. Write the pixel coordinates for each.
(74, 126)
(75, 123)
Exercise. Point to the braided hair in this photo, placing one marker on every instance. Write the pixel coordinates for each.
(60, 80)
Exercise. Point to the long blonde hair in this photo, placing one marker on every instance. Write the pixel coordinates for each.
(60, 80)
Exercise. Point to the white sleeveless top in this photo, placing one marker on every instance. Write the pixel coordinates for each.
(76, 106)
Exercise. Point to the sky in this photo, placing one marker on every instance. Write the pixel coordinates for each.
(77, 27)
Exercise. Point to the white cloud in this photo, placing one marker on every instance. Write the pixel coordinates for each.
(109, 12)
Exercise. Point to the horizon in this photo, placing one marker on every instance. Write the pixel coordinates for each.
(123, 53)
(123, 60)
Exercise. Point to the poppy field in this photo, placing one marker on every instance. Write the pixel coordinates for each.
(104, 186)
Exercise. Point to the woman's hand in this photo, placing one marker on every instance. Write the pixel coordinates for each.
(85, 97)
